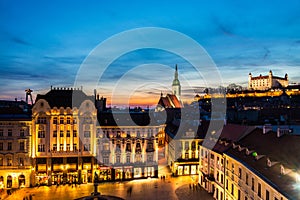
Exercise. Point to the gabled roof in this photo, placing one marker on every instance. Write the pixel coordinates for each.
(169, 101)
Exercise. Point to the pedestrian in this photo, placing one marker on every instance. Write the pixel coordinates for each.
(129, 191)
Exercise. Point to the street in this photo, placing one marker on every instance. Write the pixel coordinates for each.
(171, 188)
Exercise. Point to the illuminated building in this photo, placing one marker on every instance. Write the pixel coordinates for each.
(252, 163)
(15, 129)
(127, 146)
(182, 148)
(267, 82)
(63, 128)
(212, 162)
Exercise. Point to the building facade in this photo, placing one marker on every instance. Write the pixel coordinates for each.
(15, 160)
(63, 148)
(127, 152)
(242, 168)
(182, 150)
(267, 82)
(212, 167)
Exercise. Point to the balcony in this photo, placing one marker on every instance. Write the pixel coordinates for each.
(64, 153)
(15, 167)
(150, 150)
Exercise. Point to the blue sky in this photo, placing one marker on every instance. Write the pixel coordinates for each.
(43, 43)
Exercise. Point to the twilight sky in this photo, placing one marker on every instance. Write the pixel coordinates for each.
(44, 43)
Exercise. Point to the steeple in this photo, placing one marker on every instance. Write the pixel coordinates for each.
(176, 88)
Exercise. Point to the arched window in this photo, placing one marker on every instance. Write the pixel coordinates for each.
(21, 180)
(9, 181)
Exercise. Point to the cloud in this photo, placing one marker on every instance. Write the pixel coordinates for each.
(19, 40)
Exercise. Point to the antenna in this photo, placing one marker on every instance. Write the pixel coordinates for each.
(28, 93)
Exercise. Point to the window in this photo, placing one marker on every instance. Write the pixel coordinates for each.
(138, 147)
(128, 158)
(149, 145)
(118, 159)
(149, 158)
(41, 120)
(118, 147)
(186, 145)
(247, 177)
(55, 120)
(21, 161)
(61, 133)
(61, 120)
(187, 155)
(105, 159)
(239, 195)
(252, 184)
(259, 190)
(54, 147)
(68, 120)
(193, 145)
(68, 147)
(9, 161)
(74, 133)
(22, 133)
(54, 133)
(74, 121)
(240, 172)
(87, 147)
(61, 147)
(41, 134)
(267, 195)
(128, 146)
(41, 148)
(68, 133)
(87, 134)
(226, 184)
(193, 154)
(1, 132)
(232, 188)
(1, 146)
(22, 146)
(9, 132)
(106, 146)
(74, 147)
(222, 178)
(9, 146)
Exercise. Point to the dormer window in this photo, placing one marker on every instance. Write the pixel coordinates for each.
(269, 163)
(282, 170)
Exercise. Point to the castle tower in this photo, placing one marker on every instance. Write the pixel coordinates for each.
(176, 88)
(250, 81)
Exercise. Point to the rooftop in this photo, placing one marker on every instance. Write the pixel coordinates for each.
(64, 97)
(280, 152)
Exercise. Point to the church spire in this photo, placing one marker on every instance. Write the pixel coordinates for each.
(176, 73)
(176, 84)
